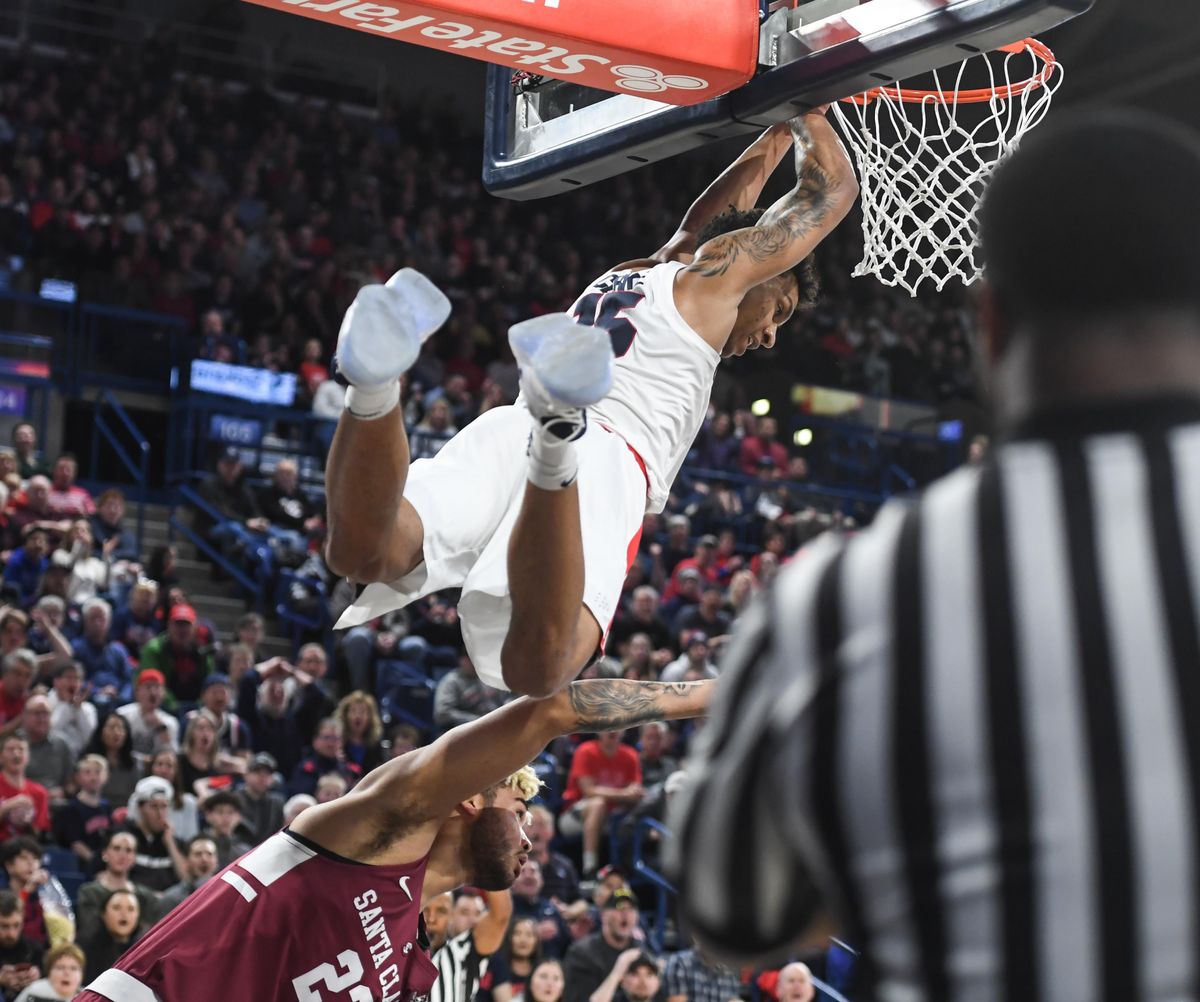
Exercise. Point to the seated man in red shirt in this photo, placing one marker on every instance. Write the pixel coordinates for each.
(24, 804)
(605, 775)
(760, 454)
(67, 499)
(703, 560)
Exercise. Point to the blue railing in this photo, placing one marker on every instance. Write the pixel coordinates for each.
(664, 890)
(297, 620)
(139, 469)
(94, 344)
(187, 495)
(126, 349)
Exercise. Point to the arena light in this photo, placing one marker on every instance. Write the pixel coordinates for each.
(803, 437)
(761, 407)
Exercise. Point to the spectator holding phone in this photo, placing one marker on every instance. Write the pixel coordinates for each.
(64, 976)
(20, 959)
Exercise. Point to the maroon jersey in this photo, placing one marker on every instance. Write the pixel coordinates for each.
(287, 922)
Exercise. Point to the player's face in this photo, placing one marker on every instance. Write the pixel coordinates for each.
(496, 842)
(763, 310)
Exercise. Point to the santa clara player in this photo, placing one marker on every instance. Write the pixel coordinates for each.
(328, 910)
(539, 553)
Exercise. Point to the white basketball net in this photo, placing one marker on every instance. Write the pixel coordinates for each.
(923, 165)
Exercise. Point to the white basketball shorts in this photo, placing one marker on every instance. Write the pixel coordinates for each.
(468, 497)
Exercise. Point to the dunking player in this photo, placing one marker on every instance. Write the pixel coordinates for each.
(329, 908)
(540, 555)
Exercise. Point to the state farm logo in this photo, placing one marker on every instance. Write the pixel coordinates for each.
(645, 80)
(516, 51)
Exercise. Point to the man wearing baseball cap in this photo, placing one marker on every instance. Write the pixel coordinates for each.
(228, 493)
(634, 978)
(151, 726)
(160, 862)
(694, 663)
(591, 960)
(703, 561)
(262, 807)
(176, 653)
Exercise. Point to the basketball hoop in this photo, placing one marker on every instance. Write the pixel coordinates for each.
(925, 156)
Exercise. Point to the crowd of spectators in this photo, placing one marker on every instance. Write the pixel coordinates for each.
(147, 750)
(140, 752)
(255, 220)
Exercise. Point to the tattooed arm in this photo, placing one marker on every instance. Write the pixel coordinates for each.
(738, 187)
(427, 784)
(709, 291)
(609, 704)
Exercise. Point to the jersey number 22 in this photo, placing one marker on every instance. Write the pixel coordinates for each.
(327, 976)
(604, 309)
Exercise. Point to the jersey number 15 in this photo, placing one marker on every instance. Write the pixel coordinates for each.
(604, 309)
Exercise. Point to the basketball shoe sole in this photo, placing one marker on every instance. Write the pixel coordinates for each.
(564, 365)
(382, 332)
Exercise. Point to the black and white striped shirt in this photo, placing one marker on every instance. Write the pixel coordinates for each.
(459, 968)
(974, 731)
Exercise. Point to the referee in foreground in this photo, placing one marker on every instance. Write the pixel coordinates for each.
(973, 731)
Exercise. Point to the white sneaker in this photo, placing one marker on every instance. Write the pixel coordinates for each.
(382, 332)
(564, 365)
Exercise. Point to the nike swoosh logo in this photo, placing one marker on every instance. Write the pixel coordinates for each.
(404, 887)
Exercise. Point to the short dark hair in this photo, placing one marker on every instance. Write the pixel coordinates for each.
(222, 798)
(808, 283)
(114, 832)
(1095, 215)
(10, 904)
(11, 848)
(68, 667)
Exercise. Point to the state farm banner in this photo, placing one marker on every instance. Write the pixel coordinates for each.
(677, 51)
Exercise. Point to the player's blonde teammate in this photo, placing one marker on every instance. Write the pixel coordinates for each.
(533, 511)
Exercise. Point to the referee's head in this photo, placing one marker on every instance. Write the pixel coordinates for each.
(1091, 240)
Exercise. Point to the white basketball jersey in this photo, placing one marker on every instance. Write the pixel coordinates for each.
(664, 369)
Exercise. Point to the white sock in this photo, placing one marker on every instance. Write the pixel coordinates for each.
(553, 462)
(370, 402)
(591, 860)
